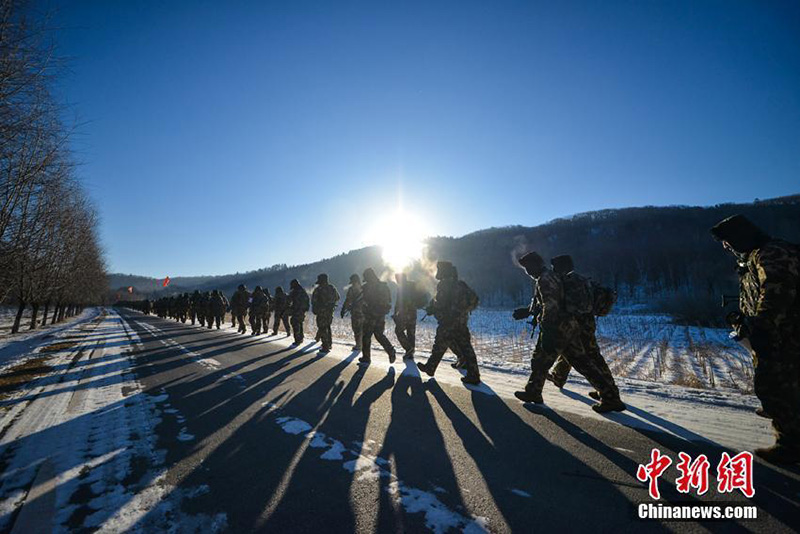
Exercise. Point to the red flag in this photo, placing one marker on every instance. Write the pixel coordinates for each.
(130, 289)
(165, 283)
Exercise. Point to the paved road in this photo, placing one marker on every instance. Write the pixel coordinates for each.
(393, 452)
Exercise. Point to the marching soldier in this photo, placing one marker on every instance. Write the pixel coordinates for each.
(217, 308)
(377, 303)
(239, 304)
(259, 311)
(451, 306)
(354, 304)
(409, 299)
(297, 306)
(281, 312)
(769, 318)
(323, 304)
(559, 334)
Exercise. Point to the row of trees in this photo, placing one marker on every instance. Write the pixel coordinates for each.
(50, 253)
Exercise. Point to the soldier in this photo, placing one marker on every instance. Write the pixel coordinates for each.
(559, 334)
(354, 304)
(451, 306)
(239, 303)
(217, 307)
(587, 326)
(409, 299)
(281, 312)
(297, 306)
(323, 304)
(377, 300)
(209, 311)
(193, 305)
(259, 311)
(227, 308)
(147, 308)
(769, 319)
(202, 308)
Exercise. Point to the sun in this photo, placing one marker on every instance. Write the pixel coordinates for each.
(401, 237)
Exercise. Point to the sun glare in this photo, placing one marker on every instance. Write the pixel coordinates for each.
(401, 237)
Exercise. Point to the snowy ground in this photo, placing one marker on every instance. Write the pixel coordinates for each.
(80, 456)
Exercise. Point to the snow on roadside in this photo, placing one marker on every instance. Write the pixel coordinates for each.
(86, 433)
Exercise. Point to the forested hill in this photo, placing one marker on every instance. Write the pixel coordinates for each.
(660, 256)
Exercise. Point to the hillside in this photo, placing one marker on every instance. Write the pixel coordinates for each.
(663, 257)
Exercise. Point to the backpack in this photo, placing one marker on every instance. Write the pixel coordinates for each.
(603, 299)
(302, 300)
(578, 298)
(468, 296)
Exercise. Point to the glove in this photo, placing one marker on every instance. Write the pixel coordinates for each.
(521, 313)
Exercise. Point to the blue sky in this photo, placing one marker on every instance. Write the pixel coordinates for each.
(226, 136)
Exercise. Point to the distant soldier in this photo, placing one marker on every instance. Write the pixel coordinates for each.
(259, 311)
(559, 334)
(216, 306)
(323, 304)
(297, 306)
(409, 299)
(193, 305)
(147, 307)
(240, 301)
(279, 306)
(451, 306)
(769, 319)
(354, 304)
(202, 308)
(377, 303)
(227, 308)
(183, 307)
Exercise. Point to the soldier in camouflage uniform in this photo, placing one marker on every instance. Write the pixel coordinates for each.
(409, 299)
(216, 306)
(377, 300)
(297, 306)
(769, 318)
(451, 306)
(559, 334)
(259, 311)
(323, 304)
(354, 304)
(587, 327)
(193, 306)
(202, 308)
(209, 311)
(240, 301)
(281, 312)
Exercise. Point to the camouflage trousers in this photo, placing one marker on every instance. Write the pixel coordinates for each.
(587, 328)
(577, 345)
(214, 318)
(193, 316)
(281, 317)
(405, 328)
(374, 326)
(357, 324)
(324, 320)
(297, 320)
(259, 322)
(776, 382)
(456, 337)
(240, 321)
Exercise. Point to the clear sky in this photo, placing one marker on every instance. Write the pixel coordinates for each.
(227, 136)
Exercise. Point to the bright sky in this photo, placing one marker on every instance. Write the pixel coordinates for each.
(228, 136)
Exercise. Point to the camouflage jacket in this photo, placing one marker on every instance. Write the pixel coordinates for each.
(297, 301)
(769, 292)
(547, 300)
(448, 305)
(279, 303)
(377, 299)
(410, 297)
(353, 301)
(240, 301)
(259, 303)
(217, 304)
(324, 299)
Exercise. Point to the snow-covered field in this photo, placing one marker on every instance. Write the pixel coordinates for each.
(640, 347)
